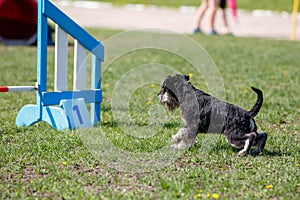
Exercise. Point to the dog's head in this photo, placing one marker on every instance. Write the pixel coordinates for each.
(170, 92)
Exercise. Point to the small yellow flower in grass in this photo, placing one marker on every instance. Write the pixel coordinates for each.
(105, 121)
(190, 75)
(245, 91)
(197, 195)
(215, 196)
(64, 162)
(149, 103)
(106, 84)
(269, 187)
(208, 195)
(152, 85)
(297, 164)
(200, 191)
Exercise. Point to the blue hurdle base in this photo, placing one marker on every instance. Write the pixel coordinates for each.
(55, 116)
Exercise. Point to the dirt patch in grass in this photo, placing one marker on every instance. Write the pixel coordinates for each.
(28, 175)
(111, 180)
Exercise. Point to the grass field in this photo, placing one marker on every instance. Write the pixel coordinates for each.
(40, 162)
(277, 5)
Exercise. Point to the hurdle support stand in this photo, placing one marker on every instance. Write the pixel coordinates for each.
(64, 109)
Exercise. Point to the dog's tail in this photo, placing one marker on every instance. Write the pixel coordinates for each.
(253, 112)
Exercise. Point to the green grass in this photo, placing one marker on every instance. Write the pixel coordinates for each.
(40, 162)
(277, 5)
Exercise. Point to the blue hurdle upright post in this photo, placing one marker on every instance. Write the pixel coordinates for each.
(64, 109)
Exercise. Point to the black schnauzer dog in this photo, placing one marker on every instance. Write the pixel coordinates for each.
(203, 113)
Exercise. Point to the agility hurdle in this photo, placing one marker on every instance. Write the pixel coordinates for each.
(63, 109)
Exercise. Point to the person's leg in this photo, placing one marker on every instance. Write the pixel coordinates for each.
(232, 5)
(200, 13)
(224, 16)
(212, 5)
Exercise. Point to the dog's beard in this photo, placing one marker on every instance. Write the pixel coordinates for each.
(168, 100)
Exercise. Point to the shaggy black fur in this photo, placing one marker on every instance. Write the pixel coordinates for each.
(203, 113)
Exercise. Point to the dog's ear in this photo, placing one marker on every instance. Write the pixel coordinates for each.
(187, 77)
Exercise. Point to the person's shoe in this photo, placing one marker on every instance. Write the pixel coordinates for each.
(197, 30)
(212, 32)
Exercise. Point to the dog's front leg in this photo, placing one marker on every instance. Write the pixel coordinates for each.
(185, 138)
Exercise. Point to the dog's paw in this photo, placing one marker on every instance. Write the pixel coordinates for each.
(176, 138)
(242, 153)
(182, 145)
(175, 146)
(179, 136)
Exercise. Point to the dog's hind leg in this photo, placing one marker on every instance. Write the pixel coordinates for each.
(250, 138)
(260, 142)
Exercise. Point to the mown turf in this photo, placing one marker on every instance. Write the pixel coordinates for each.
(40, 162)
